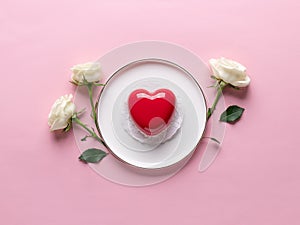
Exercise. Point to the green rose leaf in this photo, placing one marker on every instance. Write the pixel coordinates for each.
(92, 155)
(232, 114)
(209, 112)
(213, 139)
(84, 138)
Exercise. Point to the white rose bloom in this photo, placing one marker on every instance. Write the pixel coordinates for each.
(61, 112)
(230, 72)
(91, 72)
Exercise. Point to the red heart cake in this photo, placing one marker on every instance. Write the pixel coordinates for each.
(151, 112)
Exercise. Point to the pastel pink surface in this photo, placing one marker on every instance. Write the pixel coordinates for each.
(255, 179)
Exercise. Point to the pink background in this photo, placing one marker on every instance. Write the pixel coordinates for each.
(255, 179)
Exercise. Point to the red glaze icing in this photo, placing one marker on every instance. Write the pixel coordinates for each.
(151, 112)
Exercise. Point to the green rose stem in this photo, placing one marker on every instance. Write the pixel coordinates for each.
(221, 85)
(92, 155)
(90, 90)
(90, 131)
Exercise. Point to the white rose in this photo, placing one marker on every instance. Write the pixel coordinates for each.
(230, 72)
(61, 112)
(91, 72)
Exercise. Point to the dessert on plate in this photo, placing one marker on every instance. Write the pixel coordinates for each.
(153, 117)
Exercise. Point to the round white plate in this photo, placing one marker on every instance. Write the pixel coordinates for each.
(151, 74)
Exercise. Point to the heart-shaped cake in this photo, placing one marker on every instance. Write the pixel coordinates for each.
(151, 111)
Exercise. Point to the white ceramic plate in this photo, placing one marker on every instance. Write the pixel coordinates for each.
(151, 73)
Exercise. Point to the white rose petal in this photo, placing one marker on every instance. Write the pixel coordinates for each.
(61, 112)
(90, 71)
(230, 72)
